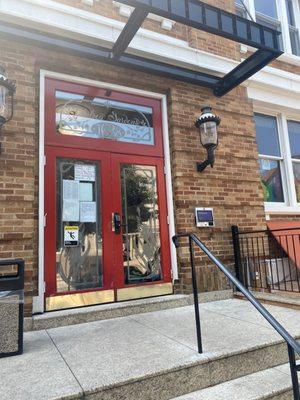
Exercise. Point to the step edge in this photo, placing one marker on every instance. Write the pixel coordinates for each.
(271, 299)
(287, 388)
(198, 363)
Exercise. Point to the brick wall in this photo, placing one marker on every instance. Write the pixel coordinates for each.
(235, 200)
(19, 166)
(232, 187)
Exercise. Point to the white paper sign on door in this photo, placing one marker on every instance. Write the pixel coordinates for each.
(84, 172)
(70, 210)
(88, 211)
(86, 191)
(70, 200)
(70, 190)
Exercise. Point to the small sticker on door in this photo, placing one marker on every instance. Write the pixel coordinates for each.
(71, 234)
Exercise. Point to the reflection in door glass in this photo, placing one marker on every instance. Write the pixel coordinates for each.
(79, 237)
(141, 235)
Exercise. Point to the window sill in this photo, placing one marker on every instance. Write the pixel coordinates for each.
(290, 59)
(281, 209)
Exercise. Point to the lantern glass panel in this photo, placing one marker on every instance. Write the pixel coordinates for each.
(6, 105)
(208, 133)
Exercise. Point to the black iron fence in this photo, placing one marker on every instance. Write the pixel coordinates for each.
(268, 260)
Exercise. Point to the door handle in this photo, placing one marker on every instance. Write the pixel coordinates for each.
(116, 223)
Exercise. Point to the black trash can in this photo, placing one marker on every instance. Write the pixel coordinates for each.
(11, 307)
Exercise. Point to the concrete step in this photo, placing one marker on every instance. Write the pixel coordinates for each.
(280, 299)
(115, 310)
(271, 384)
(150, 356)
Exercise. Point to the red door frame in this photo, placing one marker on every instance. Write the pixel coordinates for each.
(117, 160)
(52, 153)
(107, 153)
(53, 138)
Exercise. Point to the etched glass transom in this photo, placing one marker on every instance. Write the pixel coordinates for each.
(99, 118)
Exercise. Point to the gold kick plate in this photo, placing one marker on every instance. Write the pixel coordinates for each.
(79, 300)
(139, 292)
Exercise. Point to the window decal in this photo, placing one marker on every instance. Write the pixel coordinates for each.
(98, 118)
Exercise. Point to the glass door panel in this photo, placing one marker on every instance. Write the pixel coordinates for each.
(79, 262)
(140, 221)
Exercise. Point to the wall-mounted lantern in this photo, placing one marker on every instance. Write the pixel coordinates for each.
(207, 124)
(7, 91)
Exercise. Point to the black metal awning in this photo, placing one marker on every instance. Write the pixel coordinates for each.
(202, 16)
(193, 13)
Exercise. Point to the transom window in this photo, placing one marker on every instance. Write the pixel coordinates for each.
(283, 15)
(98, 118)
(278, 142)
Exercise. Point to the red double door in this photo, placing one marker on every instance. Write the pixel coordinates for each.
(106, 230)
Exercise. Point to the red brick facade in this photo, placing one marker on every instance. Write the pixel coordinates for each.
(232, 188)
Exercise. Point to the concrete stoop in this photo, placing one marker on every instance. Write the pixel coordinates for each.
(153, 356)
(271, 384)
(101, 312)
(187, 378)
(208, 380)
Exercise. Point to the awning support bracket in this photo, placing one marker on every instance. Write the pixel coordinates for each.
(133, 24)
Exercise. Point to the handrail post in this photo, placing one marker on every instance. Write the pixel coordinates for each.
(294, 372)
(196, 300)
(237, 253)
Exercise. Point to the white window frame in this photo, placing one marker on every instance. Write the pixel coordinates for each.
(282, 20)
(290, 204)
(292, 160)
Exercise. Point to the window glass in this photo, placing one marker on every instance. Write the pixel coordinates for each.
(78, 226)
(290, 12)
(98, 118)
(240, 9)
(294, 135)
(266, 7)
(295, 41)
(296, 168)
(294, 33)
(141, 233)
(271, 180)
(267, 135)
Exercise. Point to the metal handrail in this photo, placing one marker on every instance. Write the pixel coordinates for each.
(293, 345)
